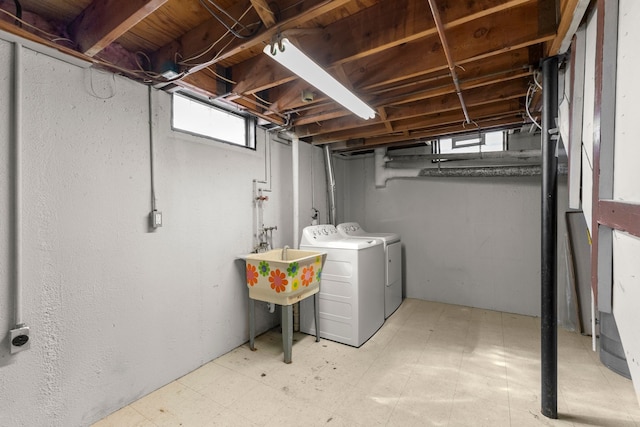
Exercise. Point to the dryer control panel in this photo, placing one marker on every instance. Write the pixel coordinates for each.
(350, 228)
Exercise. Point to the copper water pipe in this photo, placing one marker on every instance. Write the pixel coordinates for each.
(447, 53)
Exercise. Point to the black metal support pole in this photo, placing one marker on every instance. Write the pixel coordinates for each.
(549, 332)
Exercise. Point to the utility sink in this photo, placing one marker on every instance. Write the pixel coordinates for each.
(284, 276)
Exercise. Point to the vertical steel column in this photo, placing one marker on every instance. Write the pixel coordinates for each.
(549, 332)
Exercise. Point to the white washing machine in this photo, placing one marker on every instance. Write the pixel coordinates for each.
(392, 262)
(351, 288)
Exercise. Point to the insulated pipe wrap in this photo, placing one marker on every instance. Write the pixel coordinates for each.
(483, 172)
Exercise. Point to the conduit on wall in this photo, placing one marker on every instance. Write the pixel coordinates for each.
(152, 160)
(447, 54)
(331, 183)
(17, 182)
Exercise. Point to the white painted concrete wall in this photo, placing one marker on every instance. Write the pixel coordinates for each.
(626, 248)
(116, 311)
(313, 193)
(468, 241)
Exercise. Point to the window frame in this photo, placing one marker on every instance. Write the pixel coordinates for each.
(250, 141)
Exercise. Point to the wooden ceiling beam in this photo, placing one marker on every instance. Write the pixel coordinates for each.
(291, 95)
(374, 30)
(500, 66)
(570, 17)
(200, 44)
(485, 74)
(474, 97)
(264, 12)
(203, 83)
(431, 121)
(417, 137)
(103, 22)
(382, 113)
(259, 73)
(203, 37)
(388, 24)
(11, 28)
(493, 35)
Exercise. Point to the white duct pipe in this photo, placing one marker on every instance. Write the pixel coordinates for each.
(17, 181)
(383, 173)
(295, 167)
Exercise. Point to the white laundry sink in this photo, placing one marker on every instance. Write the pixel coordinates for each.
(285, 281)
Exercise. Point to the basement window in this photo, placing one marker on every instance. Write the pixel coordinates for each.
(202, 119)
(471, 143)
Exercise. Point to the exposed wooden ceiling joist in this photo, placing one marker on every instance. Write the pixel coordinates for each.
(264, 11)
(423, 108)
(387, 51)
(103, 22)
(421, 123)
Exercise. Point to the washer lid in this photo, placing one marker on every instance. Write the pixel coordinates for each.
(352, 244)
(327, 236)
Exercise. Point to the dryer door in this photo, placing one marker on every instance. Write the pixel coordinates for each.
(393, 289)
(394, 261)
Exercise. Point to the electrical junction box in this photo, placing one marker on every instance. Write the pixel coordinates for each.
(156, 218)
(19, 339)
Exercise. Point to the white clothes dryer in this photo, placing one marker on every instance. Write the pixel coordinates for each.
(351, 286)
(392, 262)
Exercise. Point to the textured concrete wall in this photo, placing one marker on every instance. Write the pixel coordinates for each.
(117, 311)
(468, 241)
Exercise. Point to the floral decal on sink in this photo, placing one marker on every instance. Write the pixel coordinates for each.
(318, 274)
(307, 275)
(278, 280)
(270, 278)
(252, 275)
(264, 268)
(293, 269)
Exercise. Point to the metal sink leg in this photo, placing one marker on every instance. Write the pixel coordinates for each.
(287, 331)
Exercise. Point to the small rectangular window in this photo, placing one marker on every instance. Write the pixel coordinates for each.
(485, 142)
(199, 118)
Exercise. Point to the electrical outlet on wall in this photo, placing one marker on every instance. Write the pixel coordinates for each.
(19, 339)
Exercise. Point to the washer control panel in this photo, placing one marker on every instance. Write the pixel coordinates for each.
(320, 232)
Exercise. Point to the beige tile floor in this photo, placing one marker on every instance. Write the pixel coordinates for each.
(431, 364)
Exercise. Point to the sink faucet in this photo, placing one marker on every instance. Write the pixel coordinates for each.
(284, 252)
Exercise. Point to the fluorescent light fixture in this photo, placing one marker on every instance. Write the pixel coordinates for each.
(287, 54)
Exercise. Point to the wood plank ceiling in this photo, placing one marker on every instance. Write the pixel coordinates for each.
(389, 52)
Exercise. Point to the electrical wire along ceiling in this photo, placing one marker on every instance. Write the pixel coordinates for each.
(420, 68)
